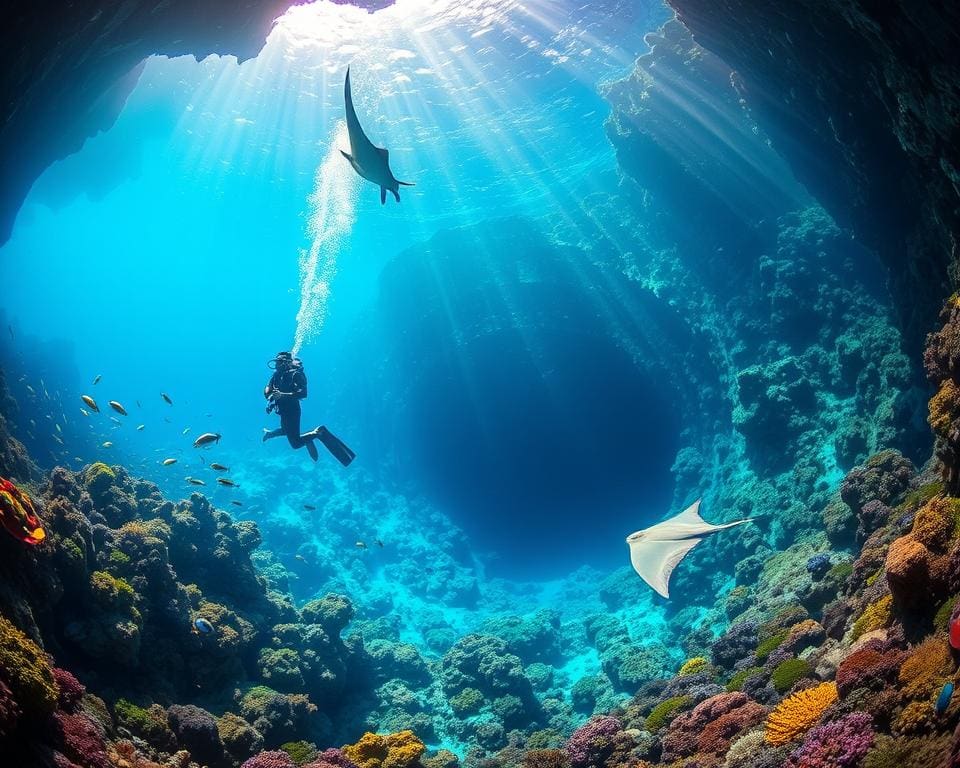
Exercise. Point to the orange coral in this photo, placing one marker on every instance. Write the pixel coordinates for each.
(944, 408)
(934, 523)
(927, 668)
(395, 750)
(908, 570)
(796, 714)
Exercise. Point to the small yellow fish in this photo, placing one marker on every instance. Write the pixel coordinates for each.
(169, 462)
(195, 481)
(91, 403)
(96, 379)
(117, 407)
(227, 482)
(219, 467)
(108, 444)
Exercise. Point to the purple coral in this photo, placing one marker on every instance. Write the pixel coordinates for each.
(736, 643)
(590, 743)
(275, 759)
(839, 744)
(331, 758)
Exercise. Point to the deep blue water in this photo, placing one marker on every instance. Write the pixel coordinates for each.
(165, 256)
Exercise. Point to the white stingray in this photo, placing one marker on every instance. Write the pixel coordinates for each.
(656, 551)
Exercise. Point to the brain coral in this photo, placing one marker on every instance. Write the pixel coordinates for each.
(395, 750)
(797, 713)
(838, 744)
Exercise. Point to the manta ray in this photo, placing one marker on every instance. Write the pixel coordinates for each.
(657, 550)
(372, 163)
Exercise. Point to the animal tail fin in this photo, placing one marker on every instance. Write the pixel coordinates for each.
(406, 183)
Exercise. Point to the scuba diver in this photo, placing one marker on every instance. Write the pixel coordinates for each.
(286, 388)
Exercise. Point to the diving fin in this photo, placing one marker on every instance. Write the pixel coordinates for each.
(336, 446)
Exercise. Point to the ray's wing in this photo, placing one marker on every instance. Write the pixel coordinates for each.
(654, 561)
(690, 516)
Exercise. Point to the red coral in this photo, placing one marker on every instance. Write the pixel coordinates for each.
(9, 711)
(710, 725)
(79, 739)
(71, 689)
(867, 668)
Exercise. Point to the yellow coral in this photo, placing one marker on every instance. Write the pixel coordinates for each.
(25, 668)
(796, 714)
(875, 616)
(98, 476)
(944, 408)
(395, 750)
(926, 669)
(935, 522)
(916, 718)
(693, 666)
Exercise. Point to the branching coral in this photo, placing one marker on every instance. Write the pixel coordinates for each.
(796, 714)
(838, 744)
(394, 750)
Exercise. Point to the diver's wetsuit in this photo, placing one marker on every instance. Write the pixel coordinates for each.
(292, 381)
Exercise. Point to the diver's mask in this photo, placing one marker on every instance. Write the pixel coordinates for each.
(282, 360)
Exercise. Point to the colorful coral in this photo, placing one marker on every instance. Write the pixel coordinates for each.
(841, 743)
(25, 669)
(394, 750)
(796, 714)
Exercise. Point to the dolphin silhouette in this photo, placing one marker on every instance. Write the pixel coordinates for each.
(657, 550)
(372, 163)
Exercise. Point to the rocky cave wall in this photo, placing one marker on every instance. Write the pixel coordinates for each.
(862, 100)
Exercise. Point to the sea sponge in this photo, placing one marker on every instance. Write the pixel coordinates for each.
(694, 665)
(24, 668)
(875, 616)
(796, 714)
(926, 669)
(394, 750)
(841, 743)
(788, 673)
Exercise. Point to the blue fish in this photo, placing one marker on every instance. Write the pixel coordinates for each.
(202, 626)
(943, 700)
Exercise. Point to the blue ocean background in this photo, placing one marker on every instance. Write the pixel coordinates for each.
(493, 347)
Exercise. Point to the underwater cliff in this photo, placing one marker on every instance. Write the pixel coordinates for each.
(655, 253)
